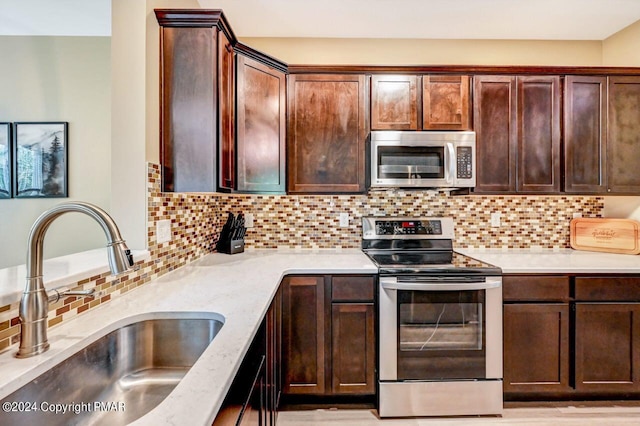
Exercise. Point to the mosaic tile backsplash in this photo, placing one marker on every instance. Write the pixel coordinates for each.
(311, 221)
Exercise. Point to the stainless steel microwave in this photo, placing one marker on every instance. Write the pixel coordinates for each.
(430, 159)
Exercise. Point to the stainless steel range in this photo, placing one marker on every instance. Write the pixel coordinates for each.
(440, 318)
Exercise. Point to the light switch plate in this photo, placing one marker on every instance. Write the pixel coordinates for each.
(163, 231)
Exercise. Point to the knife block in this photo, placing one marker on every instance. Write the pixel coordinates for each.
(231, 246)
(227, 243)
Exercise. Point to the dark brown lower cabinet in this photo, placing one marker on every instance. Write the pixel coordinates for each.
(536, 346)
(303, 327)
(353, 352)
(328, 335)
(607, 347)
(571, 337)
(254, 395)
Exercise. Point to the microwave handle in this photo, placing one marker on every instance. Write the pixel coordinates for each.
(450, 163)
(393, 284)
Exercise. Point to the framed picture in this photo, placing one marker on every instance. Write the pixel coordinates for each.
(5, 160)
(40, 160)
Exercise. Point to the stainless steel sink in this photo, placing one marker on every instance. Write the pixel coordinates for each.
(127, 373)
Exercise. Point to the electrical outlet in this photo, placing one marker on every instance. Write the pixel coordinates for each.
(344, 220)
(163, 231)
(495, 220)
(577, 215)
(248, 220)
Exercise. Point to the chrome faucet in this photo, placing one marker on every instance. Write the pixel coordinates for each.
(34, 305)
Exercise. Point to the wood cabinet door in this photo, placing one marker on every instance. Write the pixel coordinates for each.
(445, 102)
(273, 382)
(494, 117)
(226, 103)
(261, 123)
(188, 109)
(538, 134)
(607, 354)
(536, 348)
(304, 322)
(353, 348)
(326, 133)
(585, 134)
(623, 142)
(394, 102)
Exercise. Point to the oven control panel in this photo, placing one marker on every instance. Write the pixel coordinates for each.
(408, 227)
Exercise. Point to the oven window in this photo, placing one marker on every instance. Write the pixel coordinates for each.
(410, 162)
(441, 335)
(440, 326)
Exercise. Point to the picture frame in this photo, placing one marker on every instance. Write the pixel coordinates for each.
(40, 159)
(6, 165)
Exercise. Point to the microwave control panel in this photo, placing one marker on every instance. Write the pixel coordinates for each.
(464, 162)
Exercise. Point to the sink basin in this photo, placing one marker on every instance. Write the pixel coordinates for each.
(127, 373)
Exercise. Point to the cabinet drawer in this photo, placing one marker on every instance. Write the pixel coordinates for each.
(608, 289)
(352, 288)
(533, 288)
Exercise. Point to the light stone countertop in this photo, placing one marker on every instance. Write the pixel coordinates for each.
(568, 261)
(239, 288)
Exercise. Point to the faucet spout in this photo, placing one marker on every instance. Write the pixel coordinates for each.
(34, 305)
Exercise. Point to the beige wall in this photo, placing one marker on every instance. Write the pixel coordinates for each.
(623, 48)
(59, 79)
(429, 52)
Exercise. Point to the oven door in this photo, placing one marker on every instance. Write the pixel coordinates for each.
(440, 328)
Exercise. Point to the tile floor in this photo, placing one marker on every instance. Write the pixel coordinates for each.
(609, 414)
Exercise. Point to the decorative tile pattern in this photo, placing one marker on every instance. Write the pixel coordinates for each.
(311, 221)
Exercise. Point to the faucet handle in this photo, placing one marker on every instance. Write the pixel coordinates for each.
(55, 295)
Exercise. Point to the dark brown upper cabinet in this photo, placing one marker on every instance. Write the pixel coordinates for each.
(585, 134)
(539, 117)
(517, 124)
(494, 117)
(326, 134)
(191, 76)
(445, 102)
(394, 102)
(413, 102)
(261, 126)
(601, 134)
(226, 129)
(623, 135)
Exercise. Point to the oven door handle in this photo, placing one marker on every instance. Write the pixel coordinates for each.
(393, 284)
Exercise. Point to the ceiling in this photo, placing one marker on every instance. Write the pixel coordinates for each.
(437, 19)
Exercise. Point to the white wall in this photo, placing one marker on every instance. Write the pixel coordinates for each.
(59, 79)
